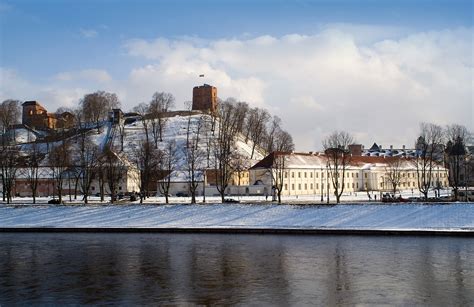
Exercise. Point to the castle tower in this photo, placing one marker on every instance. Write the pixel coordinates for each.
(205, 98)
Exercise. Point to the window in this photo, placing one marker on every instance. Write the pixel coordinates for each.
(357, 185)
(93, 188)
(311, 186)
(299, 186)
(311, 175)
(353, 185)
(352, 175)
(357, 175)
(292, 174)
(365, 175)
(120, 188)
(286, 174)
(304, 174)
(293, 186)
(299, 174)
(305, 186)
(316, 175)
(286, 186)
(317, 186)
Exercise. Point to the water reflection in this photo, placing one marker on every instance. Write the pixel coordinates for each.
(234, 269)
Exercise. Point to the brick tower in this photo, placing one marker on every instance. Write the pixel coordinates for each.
(205, 98)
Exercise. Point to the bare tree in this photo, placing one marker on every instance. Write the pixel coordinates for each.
(457, 136)
(114, 169)
(277, 172)
(88, 157)
(9, 164)
(59, 162)
(122, 133)
(393, 172)
(273, 129)
(146, 158)
(338, 159)
(283, 141)
(428, 149)
(142, 110)
(96, 106)
(224, 145)
(194, 154)
(166, 166)
(10, 113)
(32, 169)
(159, 105)
(257, 124)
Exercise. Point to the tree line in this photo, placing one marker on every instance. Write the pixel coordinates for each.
(434, 145)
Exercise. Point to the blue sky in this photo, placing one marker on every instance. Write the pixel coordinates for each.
(53, 50)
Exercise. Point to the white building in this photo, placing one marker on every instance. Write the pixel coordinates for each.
(308, 174)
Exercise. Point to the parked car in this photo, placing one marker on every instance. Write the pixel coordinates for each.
(231, 200)
(181, 194)
(54, 201)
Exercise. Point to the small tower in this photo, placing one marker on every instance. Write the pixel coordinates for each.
(205, 98)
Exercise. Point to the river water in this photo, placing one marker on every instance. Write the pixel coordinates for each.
(226, 269)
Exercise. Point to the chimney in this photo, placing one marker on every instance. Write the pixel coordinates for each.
(355, 149)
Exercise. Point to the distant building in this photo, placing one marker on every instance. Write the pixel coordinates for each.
(205, 98)
(36, 116)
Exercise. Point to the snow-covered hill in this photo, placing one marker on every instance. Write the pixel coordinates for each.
(176, 130)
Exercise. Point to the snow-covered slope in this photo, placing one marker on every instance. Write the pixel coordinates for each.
(446, 217)
(176, 130)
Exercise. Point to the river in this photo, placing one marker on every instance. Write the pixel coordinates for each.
(227, 269)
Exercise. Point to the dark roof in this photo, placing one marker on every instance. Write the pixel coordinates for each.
(268, 161)
(374, 147)
(30, 103)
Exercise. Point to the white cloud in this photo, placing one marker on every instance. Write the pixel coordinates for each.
(88, 33)
(53, 96)
(94, 75)
(378, 83)
(340, 78)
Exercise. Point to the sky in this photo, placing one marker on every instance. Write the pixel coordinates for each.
(374, 68)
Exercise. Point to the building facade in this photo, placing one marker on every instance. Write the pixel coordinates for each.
(205, 98)
(308, 174)
(36, 116)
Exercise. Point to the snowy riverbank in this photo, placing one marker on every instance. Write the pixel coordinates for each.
(454, 217)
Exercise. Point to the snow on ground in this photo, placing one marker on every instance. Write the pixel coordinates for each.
(448, 217)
